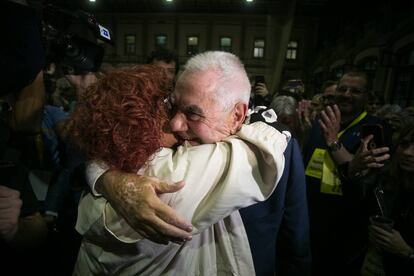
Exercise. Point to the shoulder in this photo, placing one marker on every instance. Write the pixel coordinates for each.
(268, 116)
(263, 131)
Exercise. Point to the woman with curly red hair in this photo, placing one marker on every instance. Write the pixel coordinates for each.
(122, 120)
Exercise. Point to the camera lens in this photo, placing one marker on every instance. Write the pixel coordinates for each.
(72, 50)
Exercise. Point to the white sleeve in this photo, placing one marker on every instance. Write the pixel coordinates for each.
(220, 178)
(94, 170)
(230, 175)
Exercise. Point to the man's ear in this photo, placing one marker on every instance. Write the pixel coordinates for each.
(238, 116)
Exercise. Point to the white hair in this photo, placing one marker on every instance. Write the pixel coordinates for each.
(232, 84)
(284, 105)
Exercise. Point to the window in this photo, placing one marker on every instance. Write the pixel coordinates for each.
(161, 40)
(192, 45)
(292, 50)
(130, 44)
(225, 44)
(258, 49)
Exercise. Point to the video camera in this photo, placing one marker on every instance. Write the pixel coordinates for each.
(75, 55)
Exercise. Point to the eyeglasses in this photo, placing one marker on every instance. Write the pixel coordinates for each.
(169, 103)
(354, 91)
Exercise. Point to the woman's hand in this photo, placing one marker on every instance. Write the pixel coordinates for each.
(391, 242)
(136, 199)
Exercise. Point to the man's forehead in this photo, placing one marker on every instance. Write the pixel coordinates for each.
(353, 80)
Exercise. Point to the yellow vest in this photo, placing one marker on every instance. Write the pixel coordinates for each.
(322, 167)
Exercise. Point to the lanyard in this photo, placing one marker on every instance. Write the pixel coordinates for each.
(354, 122)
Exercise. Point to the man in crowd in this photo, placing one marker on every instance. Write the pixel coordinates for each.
(328, 92)
(338, 230)
(165, 59)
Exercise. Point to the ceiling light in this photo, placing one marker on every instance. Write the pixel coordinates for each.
(91, 0)
(249, 0)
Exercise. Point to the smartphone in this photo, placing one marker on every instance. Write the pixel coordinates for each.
(259, 79)
(377, 130)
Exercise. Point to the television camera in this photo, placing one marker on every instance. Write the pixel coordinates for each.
(72, 52)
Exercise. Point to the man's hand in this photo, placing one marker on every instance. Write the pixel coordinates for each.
(367, 159)
(261, 89)
(304, 115)
(135, 198)
(331, 123)
(10, 205)
(81, 82)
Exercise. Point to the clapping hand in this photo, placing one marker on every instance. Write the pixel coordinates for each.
(366, 159)
(331, 123)
(304, 114)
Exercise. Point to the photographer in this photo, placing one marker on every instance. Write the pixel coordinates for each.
(260, 94)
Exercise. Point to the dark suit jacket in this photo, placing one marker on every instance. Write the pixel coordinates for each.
(278, 228)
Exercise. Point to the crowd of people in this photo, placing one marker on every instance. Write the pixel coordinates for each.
(154, 172)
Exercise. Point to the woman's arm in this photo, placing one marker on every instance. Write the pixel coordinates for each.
(220, 178)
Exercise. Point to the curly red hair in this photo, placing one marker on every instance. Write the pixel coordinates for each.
(119, 120)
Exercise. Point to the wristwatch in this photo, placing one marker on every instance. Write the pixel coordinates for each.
(334, 146)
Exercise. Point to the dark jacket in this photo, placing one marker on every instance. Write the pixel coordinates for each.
(278, 228)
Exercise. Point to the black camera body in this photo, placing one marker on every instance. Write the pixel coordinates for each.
(75, 54)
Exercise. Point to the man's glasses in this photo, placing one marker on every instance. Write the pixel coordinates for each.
(353, 90)
(169, 103)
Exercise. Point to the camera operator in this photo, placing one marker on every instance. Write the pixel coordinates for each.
(22, 228)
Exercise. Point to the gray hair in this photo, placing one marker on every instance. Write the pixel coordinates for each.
(284, 105)
(232, 84)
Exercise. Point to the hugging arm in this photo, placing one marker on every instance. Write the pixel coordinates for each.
(135, 198)
(220, 178)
